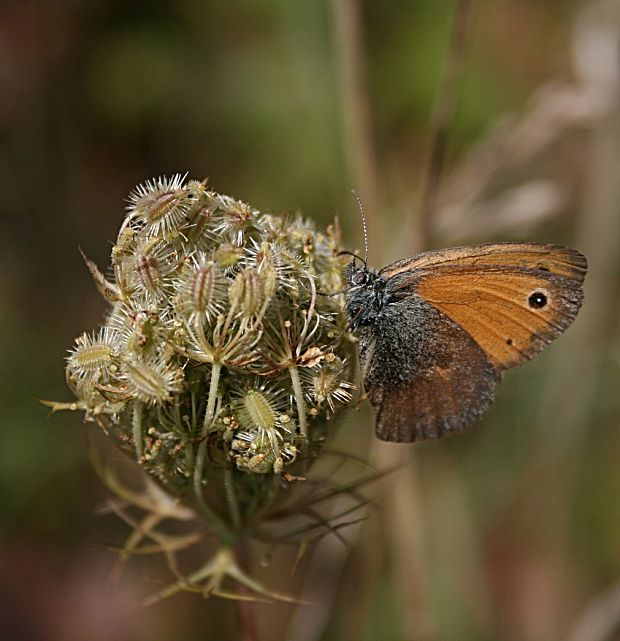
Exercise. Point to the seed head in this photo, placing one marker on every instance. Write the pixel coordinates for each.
(93, 357)
(201, 289)
(153, 381)
(251, 291)
(329, 384)
(162, 205)
(219, 352)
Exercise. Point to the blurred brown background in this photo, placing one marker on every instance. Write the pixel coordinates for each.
(510, 532)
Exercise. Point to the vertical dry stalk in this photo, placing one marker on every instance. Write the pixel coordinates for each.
(442, 117)
(361, 158)
(566, 414)
(345, 22)
(402, 507)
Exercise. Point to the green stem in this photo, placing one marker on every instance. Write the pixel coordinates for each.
(186, 431)
(307, 319)
(202, 448)
(299, 399)
(137, 429)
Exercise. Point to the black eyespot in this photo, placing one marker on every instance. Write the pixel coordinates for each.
(509, 341)
(537, 300)
(359, 278)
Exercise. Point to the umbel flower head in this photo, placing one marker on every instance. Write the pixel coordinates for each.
(224, 350)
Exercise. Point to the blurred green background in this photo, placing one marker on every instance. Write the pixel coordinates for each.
(509, 532)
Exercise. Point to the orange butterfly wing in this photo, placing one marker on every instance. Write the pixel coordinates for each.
(511, 298)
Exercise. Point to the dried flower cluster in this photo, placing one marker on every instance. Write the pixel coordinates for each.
(226, 345)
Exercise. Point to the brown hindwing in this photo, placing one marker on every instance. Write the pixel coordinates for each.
(448, 387)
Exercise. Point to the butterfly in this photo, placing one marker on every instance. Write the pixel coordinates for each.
(437, 330)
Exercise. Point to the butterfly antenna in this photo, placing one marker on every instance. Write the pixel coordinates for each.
(361, 206)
